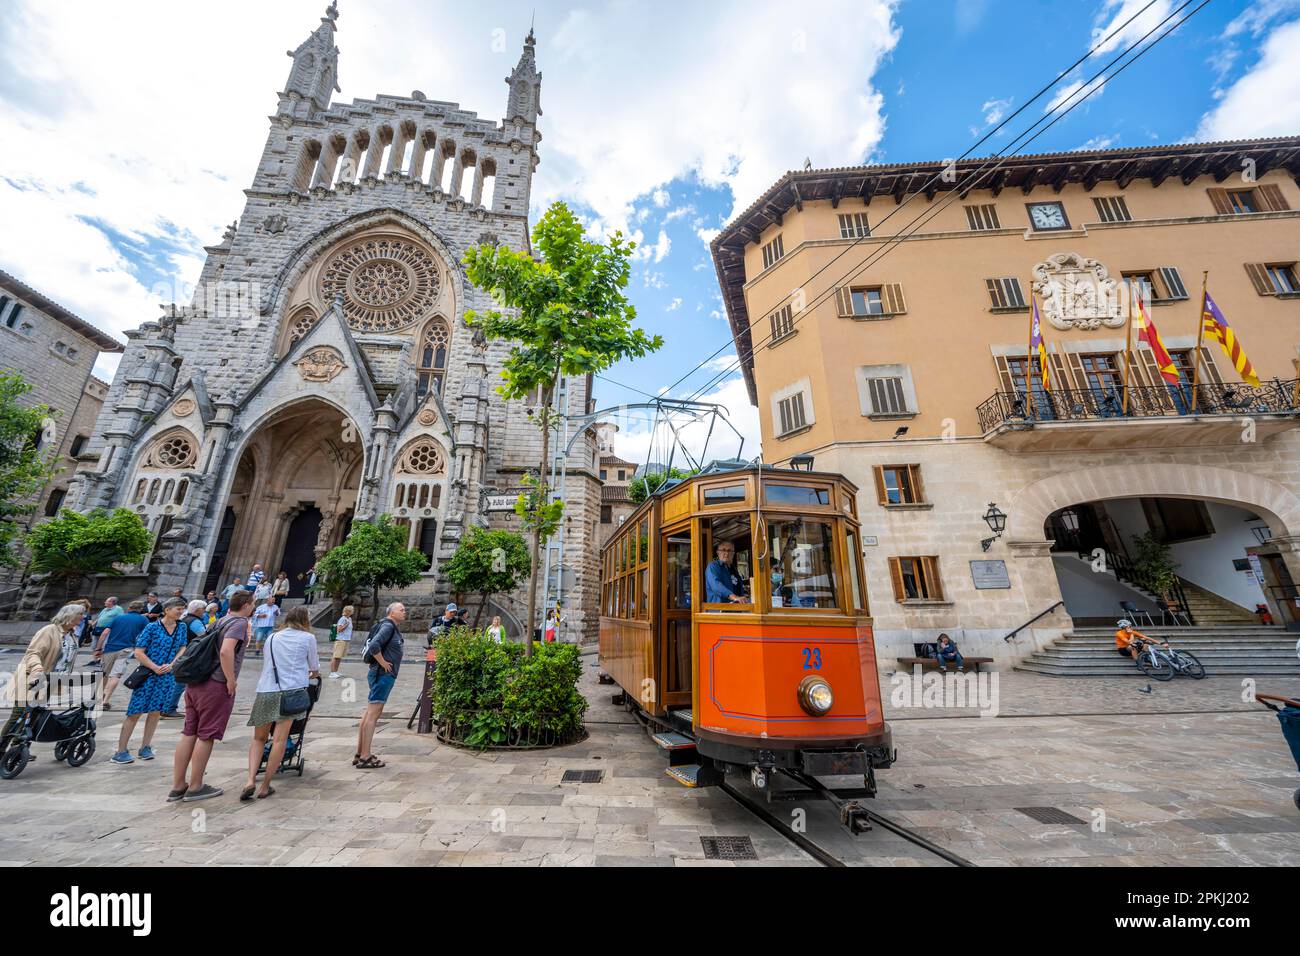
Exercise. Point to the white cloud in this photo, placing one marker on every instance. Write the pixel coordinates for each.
(660, 197)
(674, 305)
(652, 253)
(1066, 93)
(994, 110)
(707, 235)
(1259, 15)
(1115, 12)
(1265, 101)
(679, 212)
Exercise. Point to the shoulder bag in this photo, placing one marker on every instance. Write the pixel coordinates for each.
(292, 702)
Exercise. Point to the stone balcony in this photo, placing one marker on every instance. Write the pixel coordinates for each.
(1159, 416)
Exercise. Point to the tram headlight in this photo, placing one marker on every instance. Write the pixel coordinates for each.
(815, 695)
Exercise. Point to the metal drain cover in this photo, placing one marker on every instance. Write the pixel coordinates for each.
(1050, 815)
(583, 776)
(728, 848)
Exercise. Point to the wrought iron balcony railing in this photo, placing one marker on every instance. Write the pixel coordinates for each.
(1144, 401)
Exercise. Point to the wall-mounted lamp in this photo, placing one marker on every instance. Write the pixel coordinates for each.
(997, 522)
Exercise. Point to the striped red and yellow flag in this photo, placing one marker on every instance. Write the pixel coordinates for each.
(1217, 326)
(1147, 333)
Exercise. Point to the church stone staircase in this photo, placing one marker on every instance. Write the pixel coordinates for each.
(1210, 610)
(1239, 650)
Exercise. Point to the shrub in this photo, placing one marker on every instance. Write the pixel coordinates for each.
(493, 695)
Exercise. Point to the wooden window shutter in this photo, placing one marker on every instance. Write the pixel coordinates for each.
(1169, 284)
(844, 301)
(1271, 198)
(1004, 373)
(1259, 277)
(896, 577)
(895, 304)
(1076, 370)
(879, 471)
(918, 489)
(1060, 380)
(1219, 197)
(933, 584)
(1209, 371)
(995, 293)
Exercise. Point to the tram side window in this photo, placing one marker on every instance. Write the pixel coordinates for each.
(727, 577)
(801, 554)
(854, 571)
(677, 570)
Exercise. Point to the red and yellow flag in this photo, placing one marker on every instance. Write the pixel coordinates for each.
(1147, 333)
(1037, 347)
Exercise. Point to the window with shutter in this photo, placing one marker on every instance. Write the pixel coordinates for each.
(887, 396)
(1005, 293)
(869, 301)
(982, 218)
(898, 484)
(1259, 278)
(1170, 283)
(791, 413)
(772, 252)
(1282, 278)
(916, 578)
(1112, 208)
(782, 323)
(1270, 198)
(854, 226)
(1242, 201)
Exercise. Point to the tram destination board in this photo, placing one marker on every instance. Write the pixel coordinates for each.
(989, 575)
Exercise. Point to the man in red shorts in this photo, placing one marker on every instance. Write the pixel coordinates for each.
(208, 706)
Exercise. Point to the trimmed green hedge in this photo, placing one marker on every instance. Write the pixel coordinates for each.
(496, 696)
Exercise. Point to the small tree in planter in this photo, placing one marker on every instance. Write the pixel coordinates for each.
(1153, 565)
(487, 562)
(569, 317)
(23, 469)
(73, 546)
(643, 486)
(373, 556)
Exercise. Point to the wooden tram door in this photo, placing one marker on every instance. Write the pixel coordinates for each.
(675, 622)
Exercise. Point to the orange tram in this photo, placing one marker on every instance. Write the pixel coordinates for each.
(734, 618)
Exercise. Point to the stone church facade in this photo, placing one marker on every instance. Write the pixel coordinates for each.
(323, 373)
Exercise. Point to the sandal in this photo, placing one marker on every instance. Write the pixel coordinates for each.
(370, 763)
(269, 792)
(356, 759)
(247, 793)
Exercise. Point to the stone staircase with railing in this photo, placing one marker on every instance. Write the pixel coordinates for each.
(1238, 650)
(1210, 610)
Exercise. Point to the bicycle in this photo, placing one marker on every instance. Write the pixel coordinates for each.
(1162, 663)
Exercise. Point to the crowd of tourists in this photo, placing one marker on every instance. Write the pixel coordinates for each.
(152, 641)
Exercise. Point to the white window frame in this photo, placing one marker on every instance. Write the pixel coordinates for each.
(865, 373)
(802, 387)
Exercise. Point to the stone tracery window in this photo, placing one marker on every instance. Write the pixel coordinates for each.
(433, 357)
(387, 283)
(172, 451)
(301, 324)
(421, 457)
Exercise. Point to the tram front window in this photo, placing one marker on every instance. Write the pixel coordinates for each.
(801, 554)
(727, 576)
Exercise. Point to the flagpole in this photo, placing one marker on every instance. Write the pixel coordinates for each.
(1128, 347)
(1200, 336)
(1029, 349)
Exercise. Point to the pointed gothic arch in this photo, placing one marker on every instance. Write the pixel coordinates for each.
(432, 352)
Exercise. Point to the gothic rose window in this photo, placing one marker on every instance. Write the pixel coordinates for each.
(421, 458)
(387, 284)
(176, 451)
(433, 357)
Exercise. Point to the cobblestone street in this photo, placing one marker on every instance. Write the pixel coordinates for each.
(1187, 774)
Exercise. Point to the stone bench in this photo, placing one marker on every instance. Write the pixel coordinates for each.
(968, 663)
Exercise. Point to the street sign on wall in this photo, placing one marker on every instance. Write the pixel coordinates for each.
(501, 502)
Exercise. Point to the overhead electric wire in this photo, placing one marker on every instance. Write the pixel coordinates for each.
(973, 179)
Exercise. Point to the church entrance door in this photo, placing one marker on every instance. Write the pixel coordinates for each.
(300, 549)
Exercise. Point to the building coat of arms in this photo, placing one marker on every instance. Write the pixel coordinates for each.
(1077, 293)
(320, 364)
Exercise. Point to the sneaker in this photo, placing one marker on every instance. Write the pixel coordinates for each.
(146, 753)
(336, 676)
(205, 792)
(175, 796)
(122, 756)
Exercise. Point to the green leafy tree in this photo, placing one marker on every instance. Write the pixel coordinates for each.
(23, 469)
(373, 556)
(74, 546)
(568, 315)
(487, 562)
(643, 486)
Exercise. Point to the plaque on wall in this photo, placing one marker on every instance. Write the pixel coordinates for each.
(989, 575)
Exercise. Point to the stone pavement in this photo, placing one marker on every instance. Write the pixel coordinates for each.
(1188, 774)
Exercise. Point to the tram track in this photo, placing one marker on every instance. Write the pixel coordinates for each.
(822, 854)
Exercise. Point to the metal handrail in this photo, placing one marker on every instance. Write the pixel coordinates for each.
(1033, 619)
(1144, 401)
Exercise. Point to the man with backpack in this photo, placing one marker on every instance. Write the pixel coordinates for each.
(383, 652)
(209, 668)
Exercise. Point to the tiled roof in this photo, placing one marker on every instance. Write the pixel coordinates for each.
(17, 287)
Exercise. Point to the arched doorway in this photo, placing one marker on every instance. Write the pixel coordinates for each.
(305, 465)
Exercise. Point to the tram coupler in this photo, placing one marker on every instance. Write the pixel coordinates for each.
(855, 818)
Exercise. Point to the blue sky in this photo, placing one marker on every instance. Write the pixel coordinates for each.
(129, 144)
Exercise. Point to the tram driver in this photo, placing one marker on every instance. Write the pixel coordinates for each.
(722, 581)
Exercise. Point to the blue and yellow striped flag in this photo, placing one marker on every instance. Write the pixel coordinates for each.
(1216, 325)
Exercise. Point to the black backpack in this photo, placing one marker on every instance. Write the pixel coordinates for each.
(201, 657)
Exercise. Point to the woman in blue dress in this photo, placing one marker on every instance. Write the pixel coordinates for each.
(157, 646)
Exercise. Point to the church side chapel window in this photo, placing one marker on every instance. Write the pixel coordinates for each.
(433, 357)
(175, 451)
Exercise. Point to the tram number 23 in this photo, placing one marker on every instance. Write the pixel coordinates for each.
(812, 658)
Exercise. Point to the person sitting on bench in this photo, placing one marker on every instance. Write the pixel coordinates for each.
(945, 651)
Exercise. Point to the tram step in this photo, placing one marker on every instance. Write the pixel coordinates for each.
(694, 775)
(682, 718)
(670, 740)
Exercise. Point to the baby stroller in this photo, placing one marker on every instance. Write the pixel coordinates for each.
(71, 731)
(292, 759)
(1288, 715)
